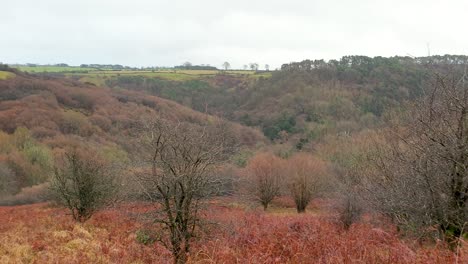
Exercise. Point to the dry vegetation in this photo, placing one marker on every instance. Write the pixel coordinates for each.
(361, 160)
(240, 236)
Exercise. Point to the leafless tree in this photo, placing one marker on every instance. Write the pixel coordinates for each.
(306, 179)
(84, 183)
(266, 172)
(177, 174)
(350, 205)
(419, 174)
(348, 158)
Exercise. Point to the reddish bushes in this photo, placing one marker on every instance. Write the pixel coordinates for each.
(44, 235)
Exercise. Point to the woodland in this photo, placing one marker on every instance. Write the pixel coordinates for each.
(355, 160)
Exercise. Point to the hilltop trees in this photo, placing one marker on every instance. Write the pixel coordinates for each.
(226, 65)
(253, 66)
(177, 174)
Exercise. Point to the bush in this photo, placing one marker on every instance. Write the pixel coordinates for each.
(83, 183)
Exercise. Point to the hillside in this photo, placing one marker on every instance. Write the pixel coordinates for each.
(315, 139)
(303, 101)
(39, 116)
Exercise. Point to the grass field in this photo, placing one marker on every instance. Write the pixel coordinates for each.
(5, 75)
(99, 77)
(39, 69)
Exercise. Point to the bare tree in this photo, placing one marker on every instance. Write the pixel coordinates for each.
(266, 171)
(267, 67)
(306, 179)
(226, 65)
(348, 155)
(84, 183)
(419, 174)
(177, 174)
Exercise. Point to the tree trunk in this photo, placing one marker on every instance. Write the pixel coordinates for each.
(301, 208)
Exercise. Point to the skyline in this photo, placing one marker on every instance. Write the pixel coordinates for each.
(163, 33)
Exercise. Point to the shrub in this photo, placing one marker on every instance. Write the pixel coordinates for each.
(83, 183)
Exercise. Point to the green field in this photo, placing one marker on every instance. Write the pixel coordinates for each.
(99, 77)
(53, 69)
(5, 75)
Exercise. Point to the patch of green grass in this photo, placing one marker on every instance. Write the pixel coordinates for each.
(6, 75)
(98, 77)
(94, 79)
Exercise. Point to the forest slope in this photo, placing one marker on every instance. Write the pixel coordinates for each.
(39, 116)
(305, 100)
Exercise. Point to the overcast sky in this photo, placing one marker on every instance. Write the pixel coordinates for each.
(167, 33)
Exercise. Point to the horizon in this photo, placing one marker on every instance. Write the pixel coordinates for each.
(219, 67)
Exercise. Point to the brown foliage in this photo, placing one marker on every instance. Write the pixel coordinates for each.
(420, 174)
(266, 177)
(307, 179)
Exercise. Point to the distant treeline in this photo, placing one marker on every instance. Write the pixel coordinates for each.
(364, 61)
(108, 66)
(195, 67)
